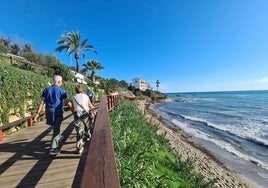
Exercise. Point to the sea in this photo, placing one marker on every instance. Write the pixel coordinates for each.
(232, 125)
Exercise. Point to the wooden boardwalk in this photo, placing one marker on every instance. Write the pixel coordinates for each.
(25, 161)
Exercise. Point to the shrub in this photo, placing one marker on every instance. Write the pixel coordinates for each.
(143, 158)
(21, 91)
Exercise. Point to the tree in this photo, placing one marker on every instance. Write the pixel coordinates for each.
(6, 41)
(93, 65)
(104, 84)
(61, 69)
(28, 49)
(157, 84)
(109, 85)
(71, 42)
(123, 84)
(15, 49)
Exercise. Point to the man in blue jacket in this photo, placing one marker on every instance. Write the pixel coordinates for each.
(90, 94)
(52, 97)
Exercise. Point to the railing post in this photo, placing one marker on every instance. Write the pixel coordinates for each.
(108, 102)
(112, 101)
(30, 122)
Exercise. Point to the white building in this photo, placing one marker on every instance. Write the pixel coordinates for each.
(141, 84)
(77, 77)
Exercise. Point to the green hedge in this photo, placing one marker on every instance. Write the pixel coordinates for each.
(20, 91)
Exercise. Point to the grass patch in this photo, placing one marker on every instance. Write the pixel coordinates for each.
(143, 158)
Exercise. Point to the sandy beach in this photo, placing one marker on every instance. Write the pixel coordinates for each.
(205, 163)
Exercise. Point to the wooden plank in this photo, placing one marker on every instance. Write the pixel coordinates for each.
(18, 122)
(24, 159)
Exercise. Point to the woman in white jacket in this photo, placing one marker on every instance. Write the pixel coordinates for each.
(83, 115)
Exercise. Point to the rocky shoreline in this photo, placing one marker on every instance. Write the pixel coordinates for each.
(205, 163)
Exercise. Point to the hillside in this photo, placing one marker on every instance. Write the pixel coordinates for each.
(21, 90)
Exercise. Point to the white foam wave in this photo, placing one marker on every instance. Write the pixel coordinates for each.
(220, 143)
(195, 132)
(185, 100)
(228, 147)
(251, 131)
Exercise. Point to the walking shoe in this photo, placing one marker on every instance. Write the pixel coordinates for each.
(54, 151)
(81, 150)
(87, 136)
(80, 146)
(61, 138)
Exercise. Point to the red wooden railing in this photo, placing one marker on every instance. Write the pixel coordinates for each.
(100, 168)
(28, 119)
(112, 100)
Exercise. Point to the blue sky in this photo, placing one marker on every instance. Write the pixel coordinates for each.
(188, 45)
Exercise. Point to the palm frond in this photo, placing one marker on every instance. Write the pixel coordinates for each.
(71, 42)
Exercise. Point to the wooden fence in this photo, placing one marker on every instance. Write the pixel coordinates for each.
(28, 119)
(100, 168)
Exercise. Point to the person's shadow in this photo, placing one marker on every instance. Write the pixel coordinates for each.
(36, 150)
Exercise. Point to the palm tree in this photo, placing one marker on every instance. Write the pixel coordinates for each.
(71, 42)
(108, 85)
(93, 66)
(157, 84)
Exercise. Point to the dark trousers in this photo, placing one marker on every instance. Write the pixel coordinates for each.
(56, 131)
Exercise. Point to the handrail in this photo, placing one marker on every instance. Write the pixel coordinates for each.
(29, 120)
(100, 167)
(112, 101)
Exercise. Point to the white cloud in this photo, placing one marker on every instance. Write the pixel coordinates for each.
(263, 80)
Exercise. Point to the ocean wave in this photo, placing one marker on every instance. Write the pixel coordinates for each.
(184, 100)
(244, 132)
(220, 143)
(228, 147)
(251, 130)
(235, 121)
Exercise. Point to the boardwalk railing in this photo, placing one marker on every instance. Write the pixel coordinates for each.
(112, 101)
(29, 120)
(100, 168)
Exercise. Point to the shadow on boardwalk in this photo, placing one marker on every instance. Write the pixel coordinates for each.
(25, 161)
